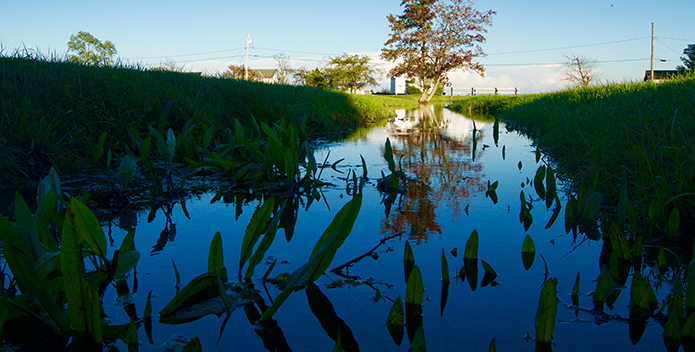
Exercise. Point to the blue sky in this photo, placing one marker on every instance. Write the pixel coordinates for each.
(525, 45)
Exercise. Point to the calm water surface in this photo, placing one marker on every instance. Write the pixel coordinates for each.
(449, 165)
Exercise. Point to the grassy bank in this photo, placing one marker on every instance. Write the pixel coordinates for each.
(490, 104)
(52, 113)
(634, 137)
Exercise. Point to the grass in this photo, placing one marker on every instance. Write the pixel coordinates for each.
(52, 112)
(490, 104)
(641, 132)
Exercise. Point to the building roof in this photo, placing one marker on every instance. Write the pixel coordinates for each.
(660, 75)
(267, 73)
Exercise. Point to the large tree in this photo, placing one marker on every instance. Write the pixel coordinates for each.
(434, 37)
(284, 68)
(688, 59)
(350, 72)
(579, 70)
(84, 48)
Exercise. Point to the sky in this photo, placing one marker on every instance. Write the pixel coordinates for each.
(525, 46)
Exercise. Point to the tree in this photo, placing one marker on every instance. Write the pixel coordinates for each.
(350, 72)
(579, 70)
(284, 69)
(434, 37)
(316, 78)
(169, 65)
(688, 59)
(299, 75)
(238, 73)
(85, 49)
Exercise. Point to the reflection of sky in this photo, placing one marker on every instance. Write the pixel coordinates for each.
(470, 319)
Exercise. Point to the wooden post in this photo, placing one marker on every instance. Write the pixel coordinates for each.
(496, 91)
(516, 90)
(452, 92)
(472, 91)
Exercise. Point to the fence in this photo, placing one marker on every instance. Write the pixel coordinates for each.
(479, 91)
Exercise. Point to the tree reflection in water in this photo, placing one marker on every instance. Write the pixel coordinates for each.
(436, 148)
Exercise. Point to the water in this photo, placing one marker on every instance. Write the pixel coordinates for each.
(449, 160)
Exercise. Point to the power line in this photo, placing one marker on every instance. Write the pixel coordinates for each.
(182, 55)
(567, 47)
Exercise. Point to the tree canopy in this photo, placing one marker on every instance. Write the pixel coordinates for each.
(688, 59)
(350, 72)
(85, 49)
(434, 37)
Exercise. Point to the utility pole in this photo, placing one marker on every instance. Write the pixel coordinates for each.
(248, 41)
(652, 69)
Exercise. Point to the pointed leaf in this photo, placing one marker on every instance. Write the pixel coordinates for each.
(408, 260)
(414, 291)
(471, 250)
(528, 252)
(253, 231)
(547, 310)
(216, 256)
(445, 268)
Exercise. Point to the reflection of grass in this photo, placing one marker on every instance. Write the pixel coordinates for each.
(53, 112)
(641, 131)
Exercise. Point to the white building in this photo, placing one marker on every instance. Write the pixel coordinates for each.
(398, 85)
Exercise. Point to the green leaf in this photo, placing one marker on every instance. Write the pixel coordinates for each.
(132, 333)
(538, 181)
(396, 320)
(519, 165)
(267, 240)
(414, 291)
(642, 294)
(216, 256)
(25, 274)
(471, 250)
(623, 200)
(128, 243)
(674, 220)
(547, 310)
(201, 287)
(176, 273)
(408, 260)
(488, 268)
(618, 240)
(492, 347)
(388, 155)
(193, 346)
(322, 257)
(87, 227)
(364, 167)
(26, 229)
(575, 288)
(258, 222)
(528, 252)
(445, 268)
(148, 306)
(81, 298)
(418, 344)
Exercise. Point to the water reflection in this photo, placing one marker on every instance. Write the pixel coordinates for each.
(437, 150)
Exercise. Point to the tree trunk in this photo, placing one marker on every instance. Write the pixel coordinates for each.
(428, 94)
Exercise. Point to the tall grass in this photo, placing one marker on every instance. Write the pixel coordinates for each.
(643, 132)
(52, 112)
(491, 104)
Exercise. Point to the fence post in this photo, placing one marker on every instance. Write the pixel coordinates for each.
(452, 92)
(516, 90)
(496, 91)
(472, 91)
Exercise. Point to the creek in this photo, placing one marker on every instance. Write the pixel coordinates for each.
(450, 161)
